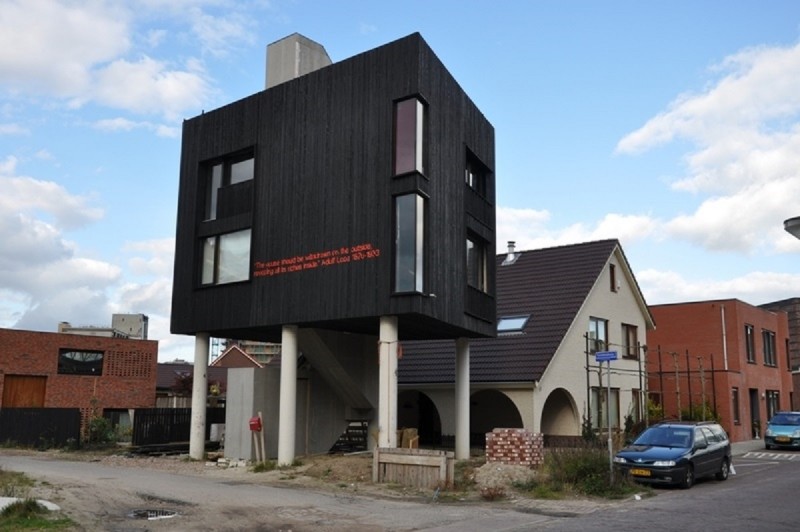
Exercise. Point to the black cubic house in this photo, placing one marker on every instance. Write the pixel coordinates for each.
(354, 198)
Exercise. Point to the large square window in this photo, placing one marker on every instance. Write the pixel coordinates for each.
(226, 258)
(80, 362)
(229, 171)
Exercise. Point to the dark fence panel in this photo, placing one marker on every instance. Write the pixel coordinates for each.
(153, 426)
(40, 427)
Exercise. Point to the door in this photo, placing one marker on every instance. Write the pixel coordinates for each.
(23, 391)
(755, 414)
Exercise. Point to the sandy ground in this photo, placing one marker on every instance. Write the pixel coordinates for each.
(97, 505)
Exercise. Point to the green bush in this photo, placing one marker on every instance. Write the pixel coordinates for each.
(586, 471)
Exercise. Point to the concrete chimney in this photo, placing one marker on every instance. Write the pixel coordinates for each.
(292, 57)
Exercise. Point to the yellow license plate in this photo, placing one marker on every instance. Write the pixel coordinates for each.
(640, 472)
(782, 438)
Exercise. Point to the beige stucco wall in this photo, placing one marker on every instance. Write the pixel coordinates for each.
(567, 369)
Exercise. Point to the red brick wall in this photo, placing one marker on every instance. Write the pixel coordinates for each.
(515, 447)
(128, 378)
(697, 328)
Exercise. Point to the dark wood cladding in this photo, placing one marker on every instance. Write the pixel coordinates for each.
(322, 203)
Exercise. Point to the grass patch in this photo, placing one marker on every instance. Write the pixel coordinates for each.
(26, 513)
(578, 472)
(263, 467)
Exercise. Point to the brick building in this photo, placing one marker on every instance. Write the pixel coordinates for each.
(728, 354)
(95, 374)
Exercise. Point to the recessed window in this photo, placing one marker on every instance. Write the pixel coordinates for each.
(223, 173)
(409, 131)
(750, 343)
(612, 274)
(512, 324)
(226, 258)
(409, 243)
(476, 263)
(631, 335)
(80, 362)
(770, 356)
(476, 174)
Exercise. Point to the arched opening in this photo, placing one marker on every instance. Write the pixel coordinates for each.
(491, 409)
(559, 417)
(416, 410)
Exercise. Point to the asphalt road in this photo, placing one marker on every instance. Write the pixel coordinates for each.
(761, 496)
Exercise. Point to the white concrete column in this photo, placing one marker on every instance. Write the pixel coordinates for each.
(387, 382)
(288, 396)
(197, 436)
(462, 399)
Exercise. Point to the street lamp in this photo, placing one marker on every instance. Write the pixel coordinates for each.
(792, 226)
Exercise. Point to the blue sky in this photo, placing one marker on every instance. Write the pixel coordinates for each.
(672, 126)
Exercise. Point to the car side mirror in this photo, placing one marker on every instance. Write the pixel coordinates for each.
(701, 445)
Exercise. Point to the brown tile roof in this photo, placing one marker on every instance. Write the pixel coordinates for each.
(550, 285)
(168, 372)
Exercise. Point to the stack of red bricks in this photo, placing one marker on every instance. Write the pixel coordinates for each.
(515, 447)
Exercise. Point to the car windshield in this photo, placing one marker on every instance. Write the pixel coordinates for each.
(666, 437)
(785, 419)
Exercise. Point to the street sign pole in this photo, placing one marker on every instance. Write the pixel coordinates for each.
(600, 357)
(608, 421)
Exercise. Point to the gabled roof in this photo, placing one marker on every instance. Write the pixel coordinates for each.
(551, 285)
(236, 357)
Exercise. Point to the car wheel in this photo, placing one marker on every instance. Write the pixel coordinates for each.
(768, 446)
(724, 470)
(688, 477)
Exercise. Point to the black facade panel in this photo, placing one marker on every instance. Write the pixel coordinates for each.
(322, 198)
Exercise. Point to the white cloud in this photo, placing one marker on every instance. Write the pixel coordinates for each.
(26, 195)
(745, 164)
(662, 287)
(149, 86)
(13, 129)
(528, 229)
(79, 53)
(123, 124)
(51, 46)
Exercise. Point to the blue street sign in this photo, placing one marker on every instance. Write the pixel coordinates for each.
(605, 356)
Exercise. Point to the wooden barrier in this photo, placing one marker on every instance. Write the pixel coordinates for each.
(419, 468)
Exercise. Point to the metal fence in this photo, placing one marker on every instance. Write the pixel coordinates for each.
(153, 426)
(40, 427)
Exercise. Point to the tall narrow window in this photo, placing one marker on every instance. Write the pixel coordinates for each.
(226, 258)
(598, 334)
(476, 263)
(409, 243)
(735, 406)
(750, 344)
(612, 274)
(768, 339)
(409, 123)
(630, 334)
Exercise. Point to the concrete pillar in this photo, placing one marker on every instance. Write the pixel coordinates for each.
(387, 382)
(462, 399)
(288, 398)
(197, 436)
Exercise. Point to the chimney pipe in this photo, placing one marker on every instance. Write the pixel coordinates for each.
(512, 256)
